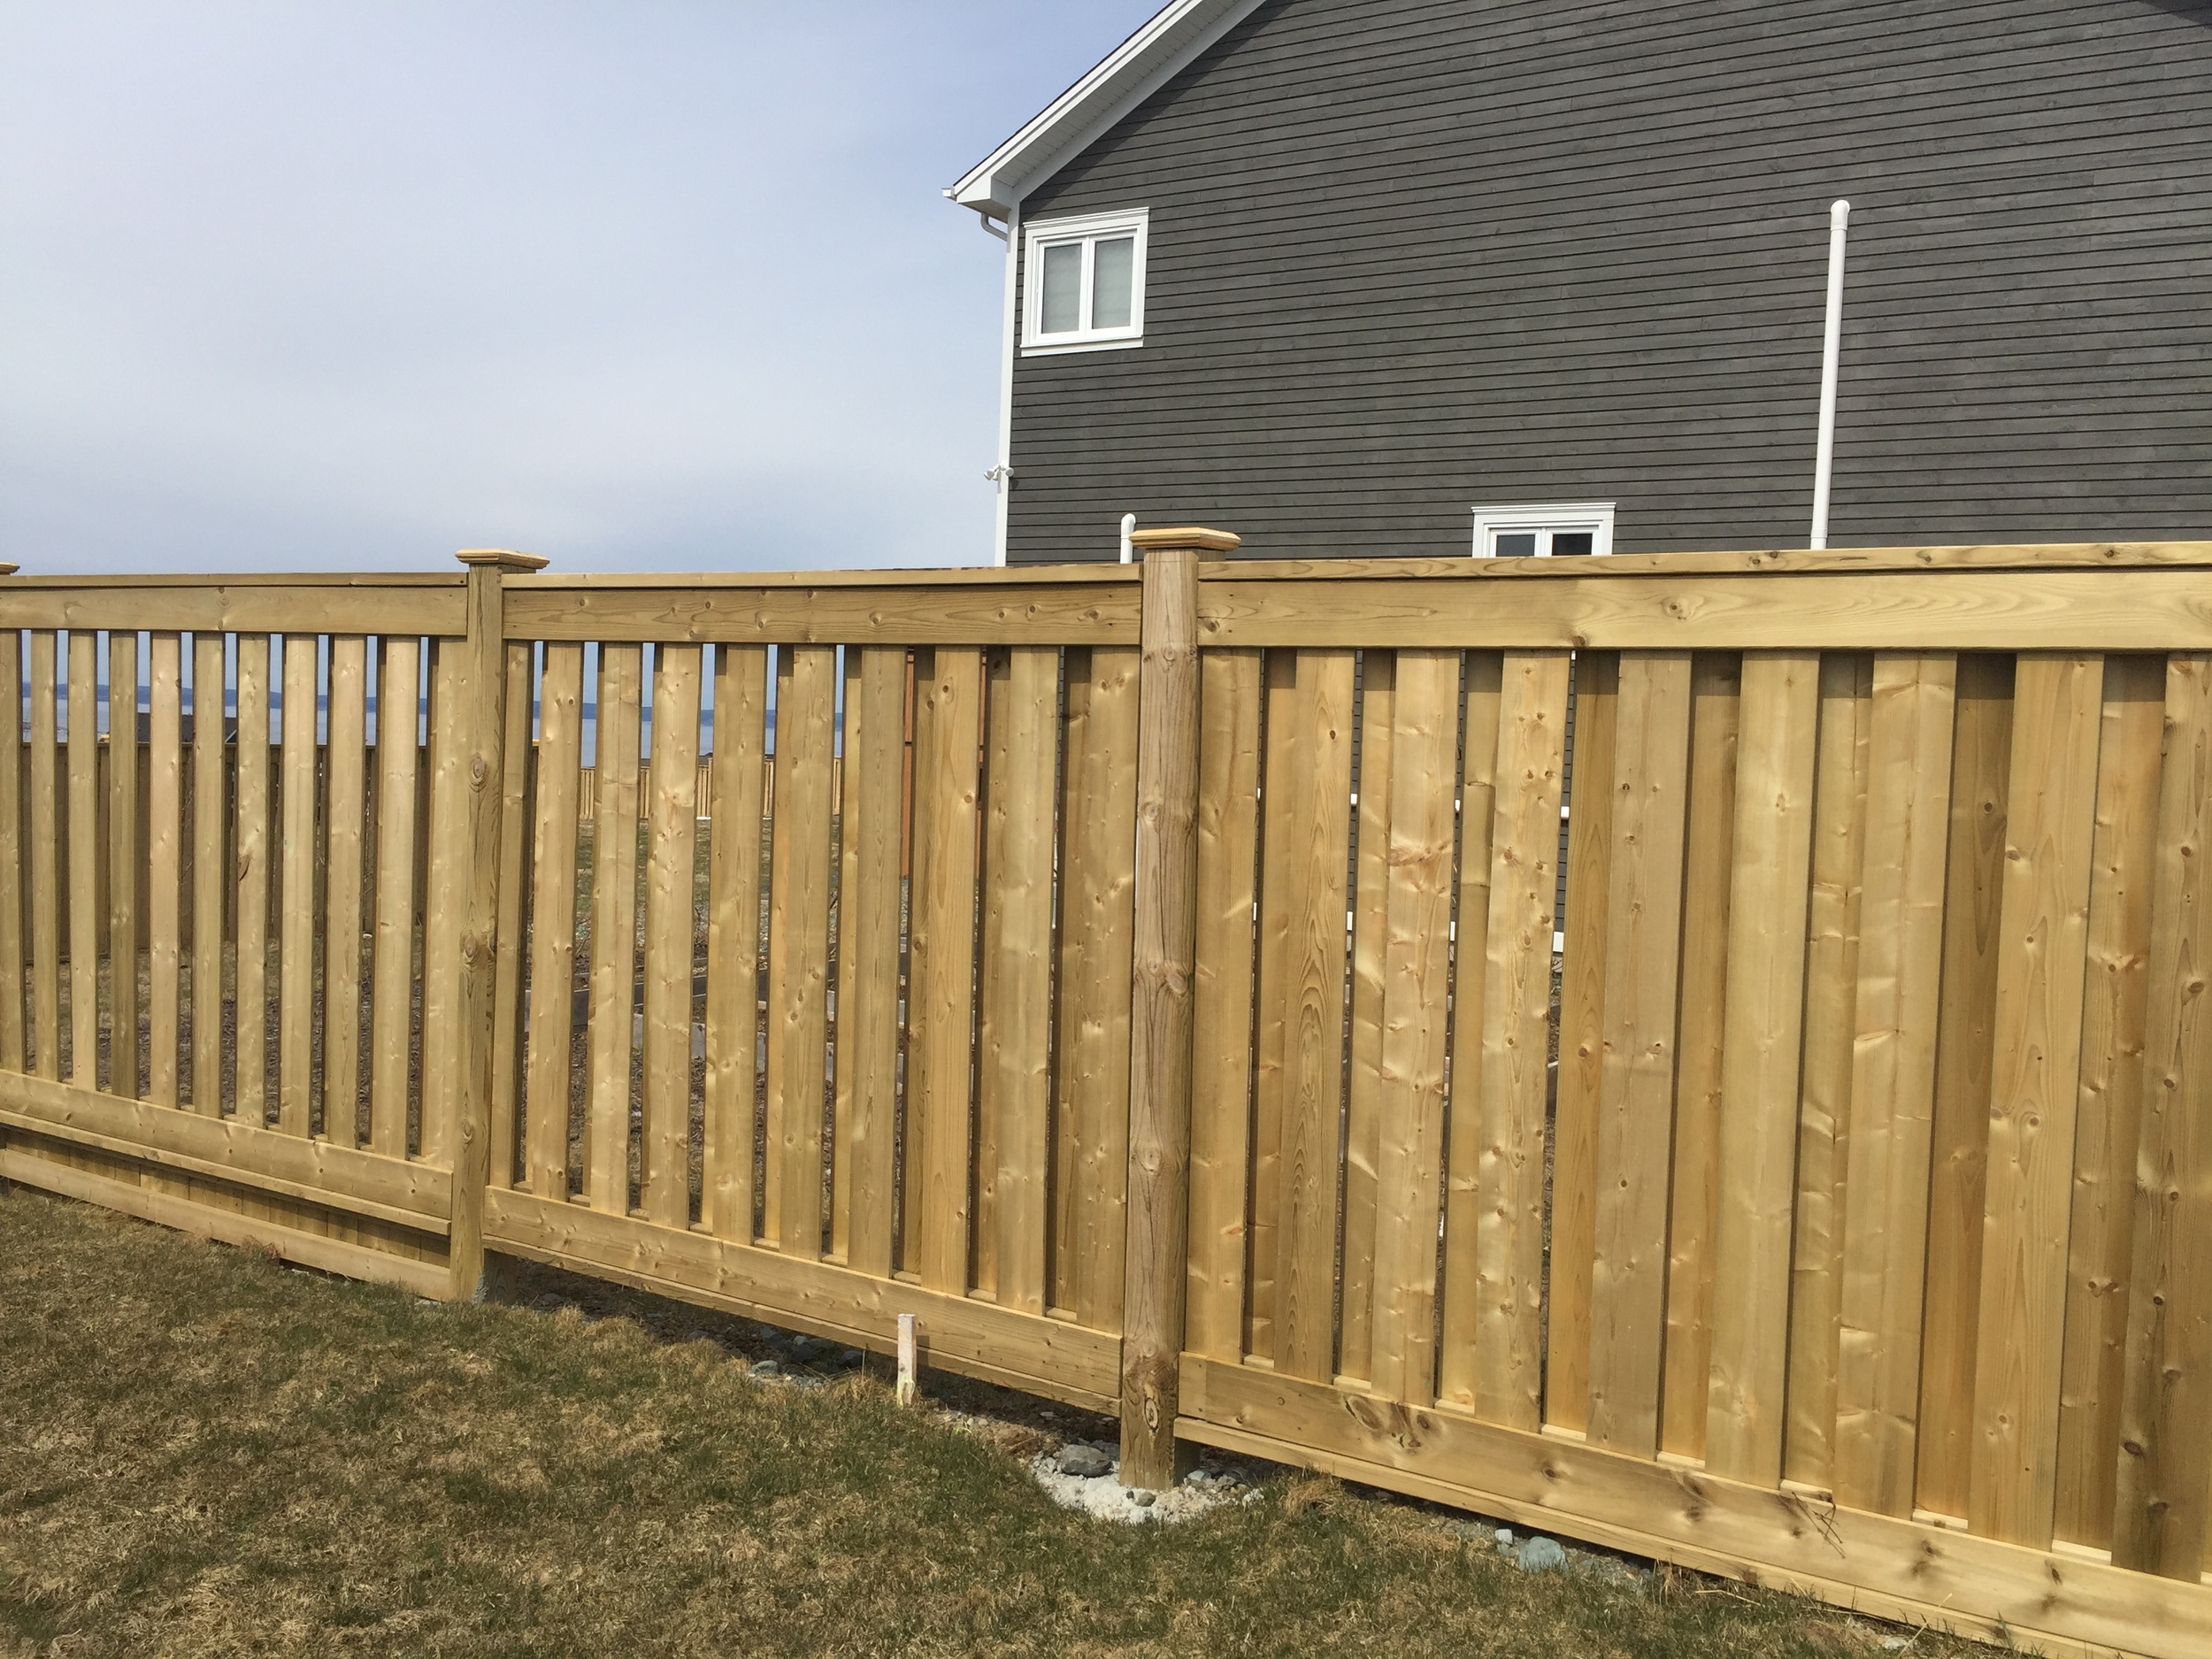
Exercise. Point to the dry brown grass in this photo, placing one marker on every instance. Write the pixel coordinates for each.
(208, 1454)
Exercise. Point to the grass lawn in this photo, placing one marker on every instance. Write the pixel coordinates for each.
(202, 1452)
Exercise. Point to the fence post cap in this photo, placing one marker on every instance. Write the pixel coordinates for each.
(7, 569)
(1201, 541)
(505, 558)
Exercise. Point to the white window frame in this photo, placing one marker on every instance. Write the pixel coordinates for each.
(1544, 519)
(1089, 229)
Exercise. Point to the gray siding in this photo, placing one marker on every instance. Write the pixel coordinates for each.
(1408, 256)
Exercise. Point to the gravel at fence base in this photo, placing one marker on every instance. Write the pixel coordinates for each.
(1103, 1497)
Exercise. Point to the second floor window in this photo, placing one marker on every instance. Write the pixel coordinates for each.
(1085, 282)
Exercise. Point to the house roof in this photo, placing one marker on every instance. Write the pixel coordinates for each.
(1115, 86)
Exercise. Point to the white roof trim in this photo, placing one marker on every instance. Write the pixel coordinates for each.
(1132, 73)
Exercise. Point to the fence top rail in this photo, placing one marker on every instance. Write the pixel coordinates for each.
(739, 581)
(2055, 555)
(239, 580)
(397, 604)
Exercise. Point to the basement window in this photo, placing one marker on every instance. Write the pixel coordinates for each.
(1084, 283)
(1557, 530)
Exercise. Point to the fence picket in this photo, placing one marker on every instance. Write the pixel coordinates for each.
(614, 929)
(13, 852)
(211, 873)
(347, 782)
(1222, 992)
(1368, 902)
(672, 831)
(798, 948)
(545, 1105)
(398, 873)
(1287, 747)
(296, 953)
(85, 855)
(251, 1086)
(741, 699)
(868, 949)
(1893, 1080)
(2041, 964)
(518, 785)
(126, 855)
(44, 898)
(165, 836)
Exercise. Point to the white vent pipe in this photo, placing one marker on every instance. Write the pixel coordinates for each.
(1832, 350)
(1128, 529)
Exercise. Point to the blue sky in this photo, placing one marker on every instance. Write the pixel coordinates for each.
(637, 286)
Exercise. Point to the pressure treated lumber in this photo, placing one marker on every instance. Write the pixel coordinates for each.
(1892, 1081)
(1368, 903)
(347, 775)
(553, 911)
(236, 604)
(43, 900)
(86, 854)
(2159, 1519)
(1777, 746)
(891, 613)
(518, 781)
(798, 948)
(2034, 1089)
(295, 951)
(1284, 741)
(613, 930)
(11, 856)
(165, 836)
(252, 877)
(212, 873)
(398, 699)
(671, 818)
(868, 947)
(126, 854)
(1165, 935)
(727, 1189)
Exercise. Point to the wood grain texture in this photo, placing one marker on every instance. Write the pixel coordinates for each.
(445, 875)
(1368, 902)
(126, 861)
(1222, 999)
(86, 856)
(1415, 1015)
(613, 930)
(671, 817)
(1635, 1138)
(1777, 752)
(12, 856)
(1581, 1040)
(1823, 1108)
(2159, 1519)
(1014, 1064)
(1981, 770)
(740, 702)
(398, 699)
(1715, 698)
(2034, 1088)
(213, 873)
(295, 948)
(1893, 1080)
(1499, 1100)
(251, 873)
(511, 944)
(236, 604)
(1314, 858)
(1283, 743)
(348, 775)
(2100, 1234)
(798, 948)
(868, 949)
(553, 918)
(164, 837)
(948, 738)
(1097, 929)
(1015, 610)
(43, 901)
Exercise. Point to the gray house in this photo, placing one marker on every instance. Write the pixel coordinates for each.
(1439, 276)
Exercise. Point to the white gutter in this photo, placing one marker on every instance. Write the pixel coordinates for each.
(1831, 351)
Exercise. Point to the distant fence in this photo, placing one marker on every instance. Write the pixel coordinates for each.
(1148, 977)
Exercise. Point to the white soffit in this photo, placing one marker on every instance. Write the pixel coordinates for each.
(1132, 73)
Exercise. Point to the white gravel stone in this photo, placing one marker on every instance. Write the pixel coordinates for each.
(1104, 1497)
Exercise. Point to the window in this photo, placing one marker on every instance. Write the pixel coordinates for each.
(1557, 531)
(1085, 283)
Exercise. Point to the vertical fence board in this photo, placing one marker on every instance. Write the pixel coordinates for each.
(1892, 1081)
(295, 955)
(946, 764)
(672, 829)
(86, 854)
(212, 873)
(251, 875)
(2101, 1234)
(165, 832)
(125, 856)
(1495, 1240)
(1776, 759)
(868, 948)
(1098, 931)
(1363, 1084)
(613, 928)
(1287, 746)
(1981, 749)
(398, 705)
(1581, 1040)
(2041, 963)
(445, 885)
(1824, 1120)
(1312, 987)
(517, 781)
(553, 919)
(46, 849)
(2159, 1520)
(1685, 1393)
(1015, 1063)
(348, 773)
(11, 851)
(798, 946)
(1636, 1117)
(1416, 973)
(740, 701)
(1221, 1016)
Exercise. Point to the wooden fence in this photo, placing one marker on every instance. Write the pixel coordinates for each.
(1154, 980)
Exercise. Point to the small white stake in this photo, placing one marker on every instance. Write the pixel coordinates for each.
(907, 1391)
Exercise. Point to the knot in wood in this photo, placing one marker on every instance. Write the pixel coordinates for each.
(478, 770)
(471, 948)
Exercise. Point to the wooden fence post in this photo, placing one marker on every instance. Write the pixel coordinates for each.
(483, 726)
(1160, 995)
